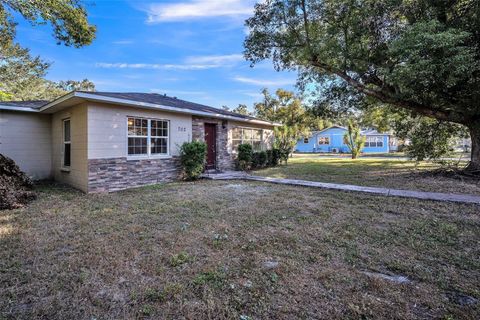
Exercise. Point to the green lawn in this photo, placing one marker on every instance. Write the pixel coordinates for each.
(390, 173)
(237, 250)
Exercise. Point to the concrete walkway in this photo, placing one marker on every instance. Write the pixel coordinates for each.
(448, 197)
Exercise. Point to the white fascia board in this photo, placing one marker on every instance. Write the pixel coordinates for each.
(146, 105)
(58, 100)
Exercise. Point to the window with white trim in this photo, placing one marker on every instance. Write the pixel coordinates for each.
(374, 141)
(305, 140)
(147, 137)
(323, 140)
(251, 136)
(158, 137)
(67, 144)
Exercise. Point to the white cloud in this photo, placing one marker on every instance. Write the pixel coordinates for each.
(265, 83)
(155, 66)
(199, 9)
(216, 60)
(190, 63)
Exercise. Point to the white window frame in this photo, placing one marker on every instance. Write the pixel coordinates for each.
(324, 144)
(65, 142)
(374, 139)
(150, 137)
(149, 154)
(243, 140)
(305, 140)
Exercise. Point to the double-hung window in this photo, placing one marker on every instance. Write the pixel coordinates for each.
(67, 144)
(251, 136)
(373, 141)
(158, 137)
(147, 137)
(324, 140)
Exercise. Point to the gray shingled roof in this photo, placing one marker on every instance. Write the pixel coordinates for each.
(165, 100)
(35, 104)
(152, 98)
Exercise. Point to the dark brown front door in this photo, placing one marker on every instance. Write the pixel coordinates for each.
(211, 140)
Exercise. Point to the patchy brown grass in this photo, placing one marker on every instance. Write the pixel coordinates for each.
(198, 251)
(388, 172)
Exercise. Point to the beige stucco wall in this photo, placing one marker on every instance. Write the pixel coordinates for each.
(77, 176)
(107, 129)
(25, 137)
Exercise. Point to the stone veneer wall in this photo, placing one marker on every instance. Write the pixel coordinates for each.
(119, 173)
(225, 160)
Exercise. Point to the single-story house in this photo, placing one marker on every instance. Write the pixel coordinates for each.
(331, 140)
(107, 141)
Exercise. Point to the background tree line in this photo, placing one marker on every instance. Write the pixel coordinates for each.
(22, 76)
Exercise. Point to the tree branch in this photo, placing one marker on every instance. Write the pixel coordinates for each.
(385, 98)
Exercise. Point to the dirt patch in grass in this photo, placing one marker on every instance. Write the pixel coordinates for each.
(221, 250)
(388, 173)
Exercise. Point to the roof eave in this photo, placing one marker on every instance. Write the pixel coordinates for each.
(146, 105)
(12, 108)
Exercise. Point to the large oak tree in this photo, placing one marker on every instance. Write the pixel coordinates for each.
(422, 56)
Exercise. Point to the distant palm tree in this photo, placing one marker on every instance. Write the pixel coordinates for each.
(353, 139)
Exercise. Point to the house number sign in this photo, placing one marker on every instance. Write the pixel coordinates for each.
(182, 129)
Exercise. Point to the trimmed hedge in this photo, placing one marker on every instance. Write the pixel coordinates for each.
(248, 159)
(259, 159)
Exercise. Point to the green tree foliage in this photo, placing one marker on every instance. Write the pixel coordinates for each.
(429, 139)
(72, 85)
(353, 139)
(68, 19)
(242, 109)
(379, 117)
(421, 56)
(192, 159)
(286, 138)
(22, 77)
(287, 108)
(5, 96)
(19, 70)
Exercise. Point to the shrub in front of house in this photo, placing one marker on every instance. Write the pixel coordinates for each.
(248, 159)
(192, 159)
(274, 158)
(245, 156)
(259, 159)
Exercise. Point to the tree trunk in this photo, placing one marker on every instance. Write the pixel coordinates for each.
(475, 157)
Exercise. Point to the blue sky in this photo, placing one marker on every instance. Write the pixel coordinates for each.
(191, 49)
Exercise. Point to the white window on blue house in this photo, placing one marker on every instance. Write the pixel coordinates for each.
(324, 140)
(305, 140)
(373, 142)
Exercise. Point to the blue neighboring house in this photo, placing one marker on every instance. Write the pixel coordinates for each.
(331, 140)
